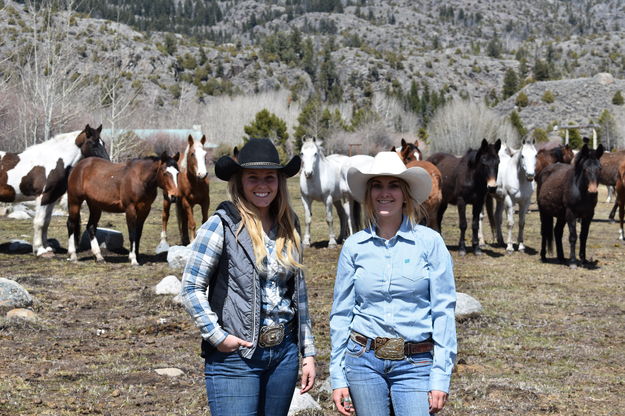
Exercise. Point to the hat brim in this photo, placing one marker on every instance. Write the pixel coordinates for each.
(226, 167)
(418, 180)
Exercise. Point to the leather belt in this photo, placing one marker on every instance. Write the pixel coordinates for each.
(410, 348)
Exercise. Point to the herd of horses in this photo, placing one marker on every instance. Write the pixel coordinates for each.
(493, 177)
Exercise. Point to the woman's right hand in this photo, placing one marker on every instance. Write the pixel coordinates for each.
(342, 401)
(232, 343)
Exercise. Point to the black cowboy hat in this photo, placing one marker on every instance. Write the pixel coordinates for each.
(255, 154)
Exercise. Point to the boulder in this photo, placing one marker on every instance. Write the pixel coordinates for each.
(169, 372)
(111, 240)
(170, 285)
(22, 313)
(13, 295)
(467, 307)
(302, 402)
(177, 256)
(162, 247)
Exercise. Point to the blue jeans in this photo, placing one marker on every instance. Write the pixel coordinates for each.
(262, 385)
(374, 383)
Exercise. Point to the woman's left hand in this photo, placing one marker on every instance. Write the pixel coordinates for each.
(437, 400)
(309, 372)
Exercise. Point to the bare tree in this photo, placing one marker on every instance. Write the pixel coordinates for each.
(48, 79)
(461, 124)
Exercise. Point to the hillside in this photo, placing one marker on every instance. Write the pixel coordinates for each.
(419, 53)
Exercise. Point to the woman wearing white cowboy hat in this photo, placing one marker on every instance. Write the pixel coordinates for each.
(244, 287)
(392, 324)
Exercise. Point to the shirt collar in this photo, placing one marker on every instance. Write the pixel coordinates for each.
(404, 232)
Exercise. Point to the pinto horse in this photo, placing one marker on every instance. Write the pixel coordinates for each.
(40, 173)
(117, 187)
(407, 154)
(546, 157)
(193, 185)
(466, 180)
(568, 192)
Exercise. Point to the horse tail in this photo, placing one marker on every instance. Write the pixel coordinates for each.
(356, 212)
(546, 231)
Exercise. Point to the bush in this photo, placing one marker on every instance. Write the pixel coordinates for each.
(548, 97)
(522, 100)
(618, 98)
(540, 135)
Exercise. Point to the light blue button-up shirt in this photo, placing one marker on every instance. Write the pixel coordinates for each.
(402, 287)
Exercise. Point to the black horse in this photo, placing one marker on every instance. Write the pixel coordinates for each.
(467, 180)
(568, 192)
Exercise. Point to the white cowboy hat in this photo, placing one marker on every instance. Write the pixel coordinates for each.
(389, 164)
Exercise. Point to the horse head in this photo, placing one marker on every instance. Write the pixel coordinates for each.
(567, 154)
(167, 176)
(310, 154)
(487, 161)
(91, 144)
(410, 152)
(527, 159)
(195, 158)
(588, 167)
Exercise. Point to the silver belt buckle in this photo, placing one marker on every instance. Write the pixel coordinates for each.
(271, 335)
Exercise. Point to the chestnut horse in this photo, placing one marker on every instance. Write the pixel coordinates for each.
(546, 157)
(568, 192)
(610, 162)
(466, 180)
(408, 154)
(193, 185)
(117, 187)
(620, 196)
(40, 173)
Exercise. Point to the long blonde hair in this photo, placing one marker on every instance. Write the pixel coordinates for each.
(413, 211)
(288, 243)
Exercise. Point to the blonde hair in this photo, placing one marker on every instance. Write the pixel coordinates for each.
(288, 242)
(413, 211)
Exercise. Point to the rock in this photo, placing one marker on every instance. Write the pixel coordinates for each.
(21, 313)
(604, 78)
(170, 285)
(111, 240)
(19, 215)
(467, 307)
(177, 299)
(162, 247)
(326, 386)
(169, 372)
(177, 256)
(301, 402)
(12, 295)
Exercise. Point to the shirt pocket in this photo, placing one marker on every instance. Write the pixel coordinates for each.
(413, 270)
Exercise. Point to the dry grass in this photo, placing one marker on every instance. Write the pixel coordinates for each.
(550, 340)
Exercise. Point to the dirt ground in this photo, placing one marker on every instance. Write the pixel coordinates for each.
(551, 340)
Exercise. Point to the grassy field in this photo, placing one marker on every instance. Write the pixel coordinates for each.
(551, 340)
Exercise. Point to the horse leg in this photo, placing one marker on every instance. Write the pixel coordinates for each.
(439, 216)
(621, 214)
(572, 222)
(92, 227)
(523, 207)
(558, 231)
(462, 223)
(73, 228)
(40, 227)
(347, 210)
(475, 242)
(492, 221)
(546, 234)
(610, 193)
(307, 220)
(131, 223)
(510, 214)
(329, 221)
(191, 225)
(165, 219)
(342, 220)
(613, 211)
(583, 237)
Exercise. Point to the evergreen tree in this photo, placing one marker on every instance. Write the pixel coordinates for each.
(510, 83)
(268, 125)
(541, 70)
(617, 99)
(516, 121)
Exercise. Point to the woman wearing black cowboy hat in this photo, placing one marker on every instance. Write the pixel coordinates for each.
(244, 287)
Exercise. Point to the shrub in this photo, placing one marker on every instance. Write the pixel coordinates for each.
(618, 98)
(540, 135)
(548, 97)
(522, 100)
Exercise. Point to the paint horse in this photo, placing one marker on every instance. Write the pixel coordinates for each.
(117, 187)
(515, 185)
(467, 180)
(408, 155)
(320, 180)
(193, 186)
(568, 193)
(40, 173)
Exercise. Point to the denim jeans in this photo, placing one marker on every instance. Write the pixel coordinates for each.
(374, 383)
(262, 385)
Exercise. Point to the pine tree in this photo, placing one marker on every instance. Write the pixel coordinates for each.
(510, 83)
(268, 125)
(617, 99)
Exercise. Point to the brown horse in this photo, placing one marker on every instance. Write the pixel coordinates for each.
(546, 157)
(117, 187)
(465, 181)
(431, 205)
(620, 196)
(568, 192)
(610, 162)
(193, 185)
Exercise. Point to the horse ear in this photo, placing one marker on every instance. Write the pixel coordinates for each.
(416, 143)
(177, 156)
(393, 149)
(164, 156)
(484, 144)
(235, 152)
(190, 140)
(599, 151)
(403, 142)
(203, 139)
(99, 129)
(498, 144)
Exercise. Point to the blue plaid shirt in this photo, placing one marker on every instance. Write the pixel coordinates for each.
(206, 251)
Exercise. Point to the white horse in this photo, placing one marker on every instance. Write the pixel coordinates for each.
(515, 185)
(320, 180)
(352, 207)
(40, 173)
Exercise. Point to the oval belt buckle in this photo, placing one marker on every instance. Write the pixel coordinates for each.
(271, 335)
(389, 348)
